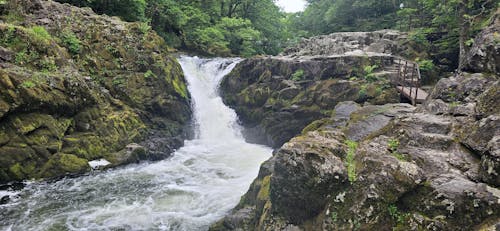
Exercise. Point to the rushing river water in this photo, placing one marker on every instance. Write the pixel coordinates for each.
(189, 191)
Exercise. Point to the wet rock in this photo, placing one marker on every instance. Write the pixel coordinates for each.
(4, 200)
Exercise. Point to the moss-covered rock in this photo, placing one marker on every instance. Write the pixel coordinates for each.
(61, 164)
(273, 102)
(75, 87)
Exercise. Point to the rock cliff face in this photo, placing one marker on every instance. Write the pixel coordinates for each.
(484, 55)
(382, 167)
(384, 41)
(276, 97)
(75, 87)
(390, 166)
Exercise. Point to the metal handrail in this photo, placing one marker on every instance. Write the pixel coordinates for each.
(414, 84)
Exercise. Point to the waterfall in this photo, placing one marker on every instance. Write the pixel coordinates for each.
(200, 183)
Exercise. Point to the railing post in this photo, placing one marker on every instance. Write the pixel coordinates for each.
(418, 80)
(399, 70)
(405, 73)
(411, 85)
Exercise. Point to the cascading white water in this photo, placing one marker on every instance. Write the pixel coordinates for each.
(189, 191)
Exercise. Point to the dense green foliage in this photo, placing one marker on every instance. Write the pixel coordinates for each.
(437, 26)
(214, 27)
(444, 28)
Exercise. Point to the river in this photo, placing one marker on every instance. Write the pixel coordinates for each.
(197, 186)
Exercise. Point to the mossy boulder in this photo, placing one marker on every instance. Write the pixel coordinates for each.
(76, 87)
(61, 164)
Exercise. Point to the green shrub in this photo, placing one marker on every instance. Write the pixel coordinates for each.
(425, 64)
(369, 75)
(298, 75)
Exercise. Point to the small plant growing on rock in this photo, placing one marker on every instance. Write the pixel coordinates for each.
(28, 84)
(396, 214)
(393, 146)
(362, 92)
(71, 42)
(334, 217)
(144, 27)
(298, 75)
(24, 57)
(40, 34)
(369, 75)
(149, 74)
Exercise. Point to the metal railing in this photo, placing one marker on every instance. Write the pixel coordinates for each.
(408, 79)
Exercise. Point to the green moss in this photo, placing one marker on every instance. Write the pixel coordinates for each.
(61, 164)
(180, 87)
(16, 171)
(263, 194)
(314, 125)
(28, 84)
(40, 34)
(350, 163)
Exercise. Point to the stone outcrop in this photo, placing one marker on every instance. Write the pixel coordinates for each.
(276, 98)
(350, 43)
(382, 167)
(484, 55)
(76, 87)
(367, 167)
